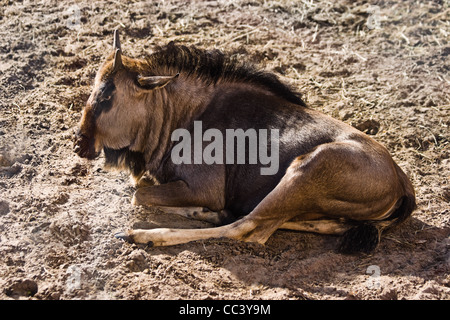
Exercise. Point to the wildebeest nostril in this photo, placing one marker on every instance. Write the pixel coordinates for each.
(77, 134)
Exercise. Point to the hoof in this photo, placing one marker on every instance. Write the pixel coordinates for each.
(136, 202)
(123, 236)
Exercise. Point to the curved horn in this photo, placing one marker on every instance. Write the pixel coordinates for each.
(117, 64)
(116, 44)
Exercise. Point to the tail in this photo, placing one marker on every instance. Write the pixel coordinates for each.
(365, 236)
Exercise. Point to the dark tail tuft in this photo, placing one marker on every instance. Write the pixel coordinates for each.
(362, 238)
(365, 236)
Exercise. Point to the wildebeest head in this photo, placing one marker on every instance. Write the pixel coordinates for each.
(116, 109)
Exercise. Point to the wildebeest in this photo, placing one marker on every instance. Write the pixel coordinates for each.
(331, 178)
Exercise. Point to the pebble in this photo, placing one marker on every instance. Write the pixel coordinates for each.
(27, 288)
(4, 161)
(4, 207)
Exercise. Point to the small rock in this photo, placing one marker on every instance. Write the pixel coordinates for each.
(79, 170)
(9, 172)
(137, 261)
(62, 198)
(368, 126)
(390, 294)
(26, 288)
(4, 207)
(4, 161)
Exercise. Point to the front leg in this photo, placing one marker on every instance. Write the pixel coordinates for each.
(201, 214)
(177, 194)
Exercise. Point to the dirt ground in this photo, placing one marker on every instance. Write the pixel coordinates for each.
(381, 66)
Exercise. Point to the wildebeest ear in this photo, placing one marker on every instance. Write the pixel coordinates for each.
(155, 82)
(117, 64)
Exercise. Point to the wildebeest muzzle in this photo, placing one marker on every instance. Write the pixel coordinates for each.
(84, 146)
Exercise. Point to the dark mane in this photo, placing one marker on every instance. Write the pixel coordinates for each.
(211, 66)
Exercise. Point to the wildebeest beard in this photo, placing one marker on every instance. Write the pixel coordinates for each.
(125, 159)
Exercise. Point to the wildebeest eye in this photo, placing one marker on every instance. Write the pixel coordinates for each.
(106, 91)
(105, 99)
